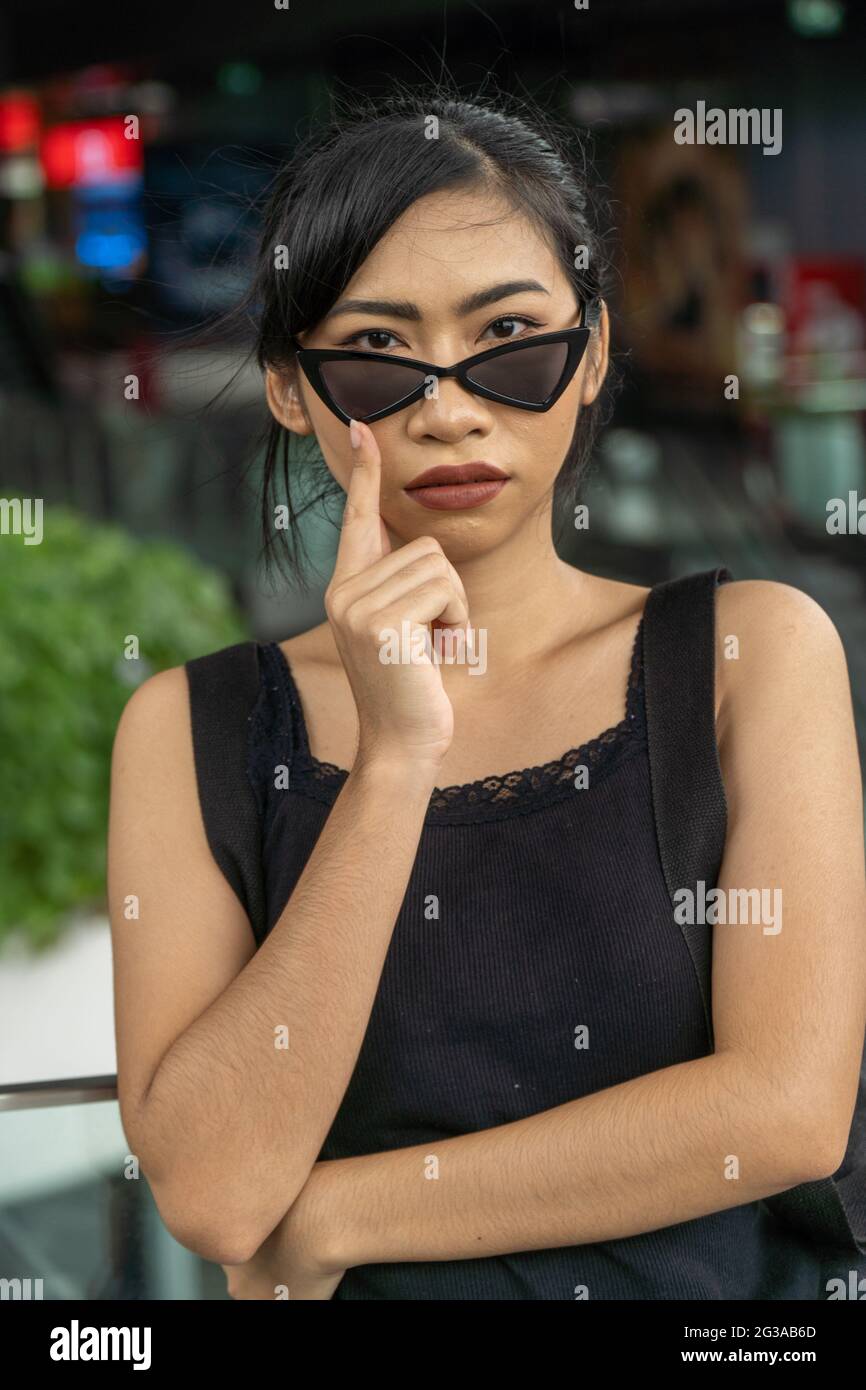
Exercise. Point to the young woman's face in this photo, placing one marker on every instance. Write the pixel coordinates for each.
(444, 248)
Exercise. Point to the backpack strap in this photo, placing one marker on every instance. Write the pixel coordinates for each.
(223, 690)
(690, 809)
(679, 657)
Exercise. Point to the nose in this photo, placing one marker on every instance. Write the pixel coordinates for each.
(449, 410)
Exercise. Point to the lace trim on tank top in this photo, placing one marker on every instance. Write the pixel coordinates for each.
(278, 737)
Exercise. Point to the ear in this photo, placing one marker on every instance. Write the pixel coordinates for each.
(284, 401)
(596, 358)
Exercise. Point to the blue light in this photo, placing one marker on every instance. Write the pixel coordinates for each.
(107, 251)
(110, 230)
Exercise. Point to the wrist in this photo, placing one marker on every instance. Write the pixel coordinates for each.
(328, 1217)
(396, 772)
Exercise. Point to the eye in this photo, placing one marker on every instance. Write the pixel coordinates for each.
(374, 339)
(357, 340)
(511, 319)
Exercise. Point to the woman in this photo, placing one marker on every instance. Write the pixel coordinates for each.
(464, 1055)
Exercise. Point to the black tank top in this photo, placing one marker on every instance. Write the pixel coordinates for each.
(534, 961)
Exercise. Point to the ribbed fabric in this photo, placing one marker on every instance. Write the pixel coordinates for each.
(554, 914)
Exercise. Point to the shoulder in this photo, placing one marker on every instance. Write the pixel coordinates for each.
(776, 623)
(777, 650)
(152, 762)
(767, 606)
(154, 725)
(165, 700)
(160, 713)
(159, 703)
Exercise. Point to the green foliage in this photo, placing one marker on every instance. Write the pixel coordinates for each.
(67, 607)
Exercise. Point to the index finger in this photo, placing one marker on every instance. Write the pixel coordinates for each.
(363, 538)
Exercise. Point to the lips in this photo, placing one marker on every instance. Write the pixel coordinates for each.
(458, 487)
(451, 475)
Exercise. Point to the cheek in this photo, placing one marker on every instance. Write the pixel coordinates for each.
(563, 419)
(545, 437)
(332, 437)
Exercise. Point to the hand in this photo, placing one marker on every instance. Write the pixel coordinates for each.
(289, 1263)
(404, 713)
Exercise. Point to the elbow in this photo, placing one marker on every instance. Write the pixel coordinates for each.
(812, 1140)
(216, 1222)
(209, 1232)
(215, 1247)
(832, 1113)
(801, 1126)
(220, 1216)
(826, 1154)
(201, 1215)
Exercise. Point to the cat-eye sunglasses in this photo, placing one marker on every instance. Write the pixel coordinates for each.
(530, 374)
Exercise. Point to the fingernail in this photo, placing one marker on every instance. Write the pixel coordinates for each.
(354, 434)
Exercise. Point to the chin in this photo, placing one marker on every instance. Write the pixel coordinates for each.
(463, 535)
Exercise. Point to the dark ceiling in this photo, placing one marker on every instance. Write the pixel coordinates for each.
(624, 38)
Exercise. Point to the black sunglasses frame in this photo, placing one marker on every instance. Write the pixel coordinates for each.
(311, 359)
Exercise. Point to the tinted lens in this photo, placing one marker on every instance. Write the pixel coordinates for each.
(363, 388)
(530, 374)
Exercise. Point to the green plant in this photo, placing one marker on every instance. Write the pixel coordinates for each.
(67, 608)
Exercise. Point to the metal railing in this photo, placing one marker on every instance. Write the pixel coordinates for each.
(77, 1218)
(31, 1095)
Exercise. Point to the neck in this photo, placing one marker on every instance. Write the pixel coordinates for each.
(523, 596)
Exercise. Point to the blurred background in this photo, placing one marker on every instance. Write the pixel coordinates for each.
(739, 320)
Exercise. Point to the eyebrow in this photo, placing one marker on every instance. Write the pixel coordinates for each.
(405, 309)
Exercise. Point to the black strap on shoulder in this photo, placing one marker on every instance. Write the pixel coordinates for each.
(223, 689)
(690, 809)
(679, 639)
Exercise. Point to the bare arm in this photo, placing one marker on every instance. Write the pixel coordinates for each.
(789, 1011)
(226, 1123)
(649, 1153)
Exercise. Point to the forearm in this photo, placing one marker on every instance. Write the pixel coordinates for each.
(233, 1119)
(652, 1152)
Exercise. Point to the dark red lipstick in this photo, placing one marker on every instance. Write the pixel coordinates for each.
(457, 486)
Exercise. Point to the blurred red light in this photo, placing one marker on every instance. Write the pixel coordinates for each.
(90, 152)
(19, 122)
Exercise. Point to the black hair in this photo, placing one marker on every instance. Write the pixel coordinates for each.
(346, 184)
